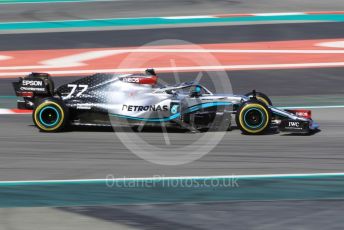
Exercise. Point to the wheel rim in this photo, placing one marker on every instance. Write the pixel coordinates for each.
(49, 116)
(254, 118)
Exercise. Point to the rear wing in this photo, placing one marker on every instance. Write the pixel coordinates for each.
(35, 84)
(33, 88)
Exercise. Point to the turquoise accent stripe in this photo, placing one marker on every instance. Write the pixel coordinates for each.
(7, 97)
(279, 114)
(206, 105)
(151, 21)
(148, 119)
(171, 190)
(174, 116)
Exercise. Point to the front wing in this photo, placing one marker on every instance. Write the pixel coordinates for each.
(290, 122)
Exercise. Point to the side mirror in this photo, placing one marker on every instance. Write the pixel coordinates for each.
(170, 91)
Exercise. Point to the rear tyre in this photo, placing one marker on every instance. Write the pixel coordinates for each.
(253, 117)
(261, 97)
(50, 115)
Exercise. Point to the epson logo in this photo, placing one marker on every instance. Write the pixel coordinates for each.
(294, 124)
(32, 83)
(139, 108)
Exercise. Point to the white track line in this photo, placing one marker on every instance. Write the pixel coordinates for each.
(166, 17)
(6, 111)
(160, 178)
(79, 59)
(189, 17)
(281, 14)
(13, 111)
(3, 57)
(185, 68)
(313, 107)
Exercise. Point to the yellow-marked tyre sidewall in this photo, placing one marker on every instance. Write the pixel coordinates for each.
(56, 127)
(262, 99)
(241, 118)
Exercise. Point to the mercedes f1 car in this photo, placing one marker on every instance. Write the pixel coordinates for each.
(138, 99)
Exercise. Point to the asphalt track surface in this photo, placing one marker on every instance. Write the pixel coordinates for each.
(152, 8)
(273, 82)
(71, 154)
(28, 154)
(271, 215)
(280, 83)
(300, 82)
(214, 34)
(283, 215)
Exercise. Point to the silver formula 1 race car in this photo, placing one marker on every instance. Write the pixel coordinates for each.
(138, 100)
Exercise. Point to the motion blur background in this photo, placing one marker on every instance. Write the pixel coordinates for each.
(305, 69)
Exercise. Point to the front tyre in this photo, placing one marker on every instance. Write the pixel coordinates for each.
(50, 115)
(261, 97)
(253, 117)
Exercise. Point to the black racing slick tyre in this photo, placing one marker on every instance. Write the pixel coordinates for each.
(253, 117)
(50, 115)
(261, 97)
